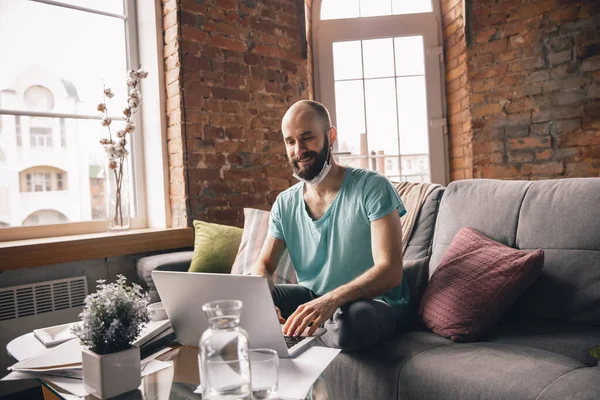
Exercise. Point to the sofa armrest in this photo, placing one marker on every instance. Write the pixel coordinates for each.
(177, 261)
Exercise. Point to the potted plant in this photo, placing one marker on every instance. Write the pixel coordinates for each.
(112, 319)
(595, 352)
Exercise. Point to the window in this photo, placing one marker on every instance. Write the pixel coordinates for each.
(40, 137)
(378, 71)
(40, 183)
(39, 98)
(341, 9)
(51, 85)
(60, 185)
(18, 130)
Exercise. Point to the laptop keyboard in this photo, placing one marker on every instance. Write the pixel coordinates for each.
(291, 341)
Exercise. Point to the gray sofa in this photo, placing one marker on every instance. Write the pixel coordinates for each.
(540, 348)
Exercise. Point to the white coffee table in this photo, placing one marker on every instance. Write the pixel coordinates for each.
(177, 382)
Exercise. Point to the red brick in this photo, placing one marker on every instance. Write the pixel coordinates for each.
(230, 44)
(230, 94)
(227, 4)
(205, 174)
(530, 142)
(231, 107)
(490, 109)
(271, 51)
(193, 34)
(582, 168)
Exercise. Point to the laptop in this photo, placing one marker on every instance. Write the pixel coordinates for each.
(184, 293)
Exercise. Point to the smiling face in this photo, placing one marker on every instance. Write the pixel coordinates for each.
(306, 143)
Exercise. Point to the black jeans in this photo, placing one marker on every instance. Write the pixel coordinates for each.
(356, 325)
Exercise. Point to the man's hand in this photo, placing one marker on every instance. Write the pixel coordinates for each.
(315, 312)
(281, 319)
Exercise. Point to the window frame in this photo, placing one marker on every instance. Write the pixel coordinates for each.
(140, 21)
(428, 25)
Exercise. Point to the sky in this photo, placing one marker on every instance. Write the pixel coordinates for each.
(91, 50)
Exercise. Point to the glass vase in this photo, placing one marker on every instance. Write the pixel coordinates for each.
(224, 358)
(117, 196)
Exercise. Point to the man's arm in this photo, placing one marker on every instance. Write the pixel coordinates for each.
(386, 274)
(270, 254)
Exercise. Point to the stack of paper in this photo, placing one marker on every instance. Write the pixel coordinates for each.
(63, 363)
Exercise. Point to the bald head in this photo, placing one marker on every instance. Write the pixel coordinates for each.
(301, 108)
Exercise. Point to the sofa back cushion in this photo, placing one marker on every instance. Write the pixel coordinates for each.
(559, 216)
(563, 217)
(420, 241)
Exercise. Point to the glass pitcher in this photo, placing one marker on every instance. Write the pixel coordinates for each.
(223, 355)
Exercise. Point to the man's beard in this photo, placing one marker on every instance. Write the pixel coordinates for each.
(311, 171)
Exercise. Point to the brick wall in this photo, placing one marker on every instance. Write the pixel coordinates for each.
(233, 68)
(533, 87)
(458, 100)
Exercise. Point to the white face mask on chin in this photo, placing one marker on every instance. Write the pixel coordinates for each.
(321, 175)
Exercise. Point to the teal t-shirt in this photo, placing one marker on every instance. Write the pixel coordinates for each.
(336, 248)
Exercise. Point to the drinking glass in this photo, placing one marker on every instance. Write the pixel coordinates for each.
(264, 367)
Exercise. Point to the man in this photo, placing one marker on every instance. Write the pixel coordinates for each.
(342, 228)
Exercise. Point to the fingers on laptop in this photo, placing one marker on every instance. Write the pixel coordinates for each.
(299, 321)
(281, 319)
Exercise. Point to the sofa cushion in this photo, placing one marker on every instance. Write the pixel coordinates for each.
(482, 371)
(581, 384)
(373, 374)
(490, 206)
(563, 217)
(176, 261)
(256, 225)
(215, 247)
(568, 339)
(476, 281)
(559, 216)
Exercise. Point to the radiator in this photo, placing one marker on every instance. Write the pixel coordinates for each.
(42, 297)
(24, 308)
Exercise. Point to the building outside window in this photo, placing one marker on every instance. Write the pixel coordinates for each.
(55, 74)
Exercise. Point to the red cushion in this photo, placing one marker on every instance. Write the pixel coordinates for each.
(476, 281)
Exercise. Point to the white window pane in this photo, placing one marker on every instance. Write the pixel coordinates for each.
(111, 6)
(373, 8)
(410, 6)
(80, 50)
(378, 57)
(339, 9)
(347, 60)
(410, 59)
(350, 113)
(412, 115)
(382, 128)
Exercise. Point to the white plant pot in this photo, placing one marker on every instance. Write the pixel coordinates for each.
(110, 375)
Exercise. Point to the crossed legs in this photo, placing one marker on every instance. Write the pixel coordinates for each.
(356, 325)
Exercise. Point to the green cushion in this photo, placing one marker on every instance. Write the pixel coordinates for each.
(215, 247)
